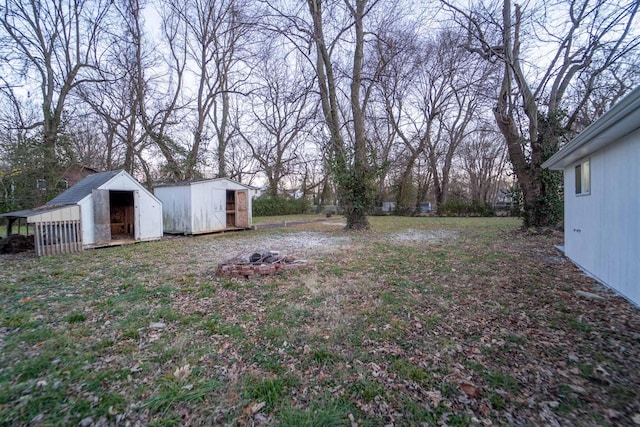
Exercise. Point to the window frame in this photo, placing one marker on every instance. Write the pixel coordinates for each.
(582, 176)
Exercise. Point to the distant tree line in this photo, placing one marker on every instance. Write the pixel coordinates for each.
(351, 102)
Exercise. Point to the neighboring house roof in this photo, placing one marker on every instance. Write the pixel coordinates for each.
(621, 120)
(83, 188)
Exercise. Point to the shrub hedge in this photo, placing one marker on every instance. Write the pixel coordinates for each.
(268, 206)
(460, 207)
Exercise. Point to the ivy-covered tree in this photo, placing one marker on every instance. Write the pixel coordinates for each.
(540, 99)
(353, 176)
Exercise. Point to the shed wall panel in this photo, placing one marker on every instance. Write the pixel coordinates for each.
(602, 229)
(66, 213)
(176, 208)
(101, 216)
(86, 214)
(208, 208)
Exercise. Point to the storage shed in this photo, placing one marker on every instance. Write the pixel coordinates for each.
(102, 209)
(204, 206)
(56, 229)
(602, 197)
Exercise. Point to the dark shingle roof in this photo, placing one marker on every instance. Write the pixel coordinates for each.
(83, 188)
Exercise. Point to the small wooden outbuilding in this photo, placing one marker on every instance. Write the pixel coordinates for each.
(602, 197)
(102, 209)
(204, 206)
(56, 229)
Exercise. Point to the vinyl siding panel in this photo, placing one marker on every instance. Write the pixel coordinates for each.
(602, 230)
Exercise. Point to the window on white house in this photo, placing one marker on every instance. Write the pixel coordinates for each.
(583, 178)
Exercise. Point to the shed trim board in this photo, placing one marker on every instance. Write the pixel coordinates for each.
(602, 229)
(205, 206)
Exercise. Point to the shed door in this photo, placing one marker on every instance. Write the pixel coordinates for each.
(136, 213)
(242, 211)
(101, 216)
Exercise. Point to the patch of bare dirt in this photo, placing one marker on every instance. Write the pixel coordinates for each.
(423, 236)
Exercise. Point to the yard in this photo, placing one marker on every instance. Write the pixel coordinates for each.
(422, 321)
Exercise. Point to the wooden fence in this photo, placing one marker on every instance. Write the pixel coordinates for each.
(57, 237)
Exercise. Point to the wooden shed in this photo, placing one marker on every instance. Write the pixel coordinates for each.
(602, 199)
(204, 206)
(56, 229)
(102, 209)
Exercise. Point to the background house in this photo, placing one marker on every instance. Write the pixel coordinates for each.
(602, 197)
(102, 209)
(205, 206)
(255, 192)
(76, 173)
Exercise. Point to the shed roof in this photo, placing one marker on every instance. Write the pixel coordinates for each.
(83, 188)
(621, 120)
(199, 181)
(27, 213)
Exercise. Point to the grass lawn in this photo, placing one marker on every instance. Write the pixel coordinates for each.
(421, 321)
(14, 230)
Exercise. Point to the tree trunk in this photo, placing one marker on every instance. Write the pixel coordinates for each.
(354, 187)
(403, 205)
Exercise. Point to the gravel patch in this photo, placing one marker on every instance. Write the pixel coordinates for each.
(303, 244)
(418, 236)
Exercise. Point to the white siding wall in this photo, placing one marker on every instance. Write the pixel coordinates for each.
(148, 210)
(199, 207)
(208, 201)
(176, 208)
(602, 230)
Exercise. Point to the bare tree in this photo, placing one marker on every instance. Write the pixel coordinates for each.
(430, 107)
(135, 113)
(453, 128)
(605, 90)
(212, 36)
(241, 164)
(483, 157)
(54, 43)
(283, 113)
(351, 168)
(534, 110)
(401, 55)
(19, 150)
(159, 108)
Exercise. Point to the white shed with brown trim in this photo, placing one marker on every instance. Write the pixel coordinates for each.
(204, 206)
(103, 209)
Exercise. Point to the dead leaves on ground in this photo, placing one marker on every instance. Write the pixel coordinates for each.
(463, 329)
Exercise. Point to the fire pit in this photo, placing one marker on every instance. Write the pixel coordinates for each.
(258, 263)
